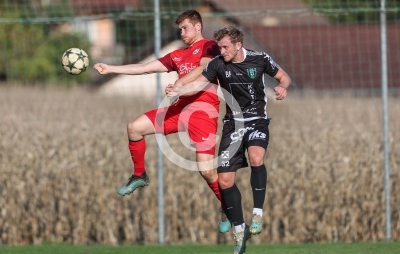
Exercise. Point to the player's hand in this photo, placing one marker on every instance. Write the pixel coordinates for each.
(169, 88)
(102, 68)
(280, 92)
(173, 92)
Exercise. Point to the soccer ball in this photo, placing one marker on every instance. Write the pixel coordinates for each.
(75, 61)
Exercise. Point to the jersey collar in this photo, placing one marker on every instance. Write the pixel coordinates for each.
(244, 55)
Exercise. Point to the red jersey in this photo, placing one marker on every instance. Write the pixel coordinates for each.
(185, 60)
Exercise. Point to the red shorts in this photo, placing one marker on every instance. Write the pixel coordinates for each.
(198, 119)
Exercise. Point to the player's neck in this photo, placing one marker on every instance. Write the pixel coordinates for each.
(239, 57)
(198, 38)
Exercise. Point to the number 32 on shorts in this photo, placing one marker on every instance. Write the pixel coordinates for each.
(225, 163)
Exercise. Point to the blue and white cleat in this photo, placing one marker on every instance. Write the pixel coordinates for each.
(241, 239)
(225, 224)
(134, 183)
(256, 224)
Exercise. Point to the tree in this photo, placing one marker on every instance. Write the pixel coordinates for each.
(31, 53)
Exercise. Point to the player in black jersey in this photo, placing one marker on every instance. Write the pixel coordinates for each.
(241, 75)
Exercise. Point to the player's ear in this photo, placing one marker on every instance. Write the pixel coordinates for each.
(198, 26)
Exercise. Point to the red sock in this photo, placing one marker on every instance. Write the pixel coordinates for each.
(138, 149)
(217, 191)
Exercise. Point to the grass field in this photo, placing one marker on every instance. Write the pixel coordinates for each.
(353, 248)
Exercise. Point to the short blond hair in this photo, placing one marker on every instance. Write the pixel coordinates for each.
(234, 34)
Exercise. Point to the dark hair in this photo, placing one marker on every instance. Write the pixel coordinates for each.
(234, 34)
(193, 16)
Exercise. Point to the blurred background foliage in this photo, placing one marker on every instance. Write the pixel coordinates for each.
(32, 42)
(357, 11)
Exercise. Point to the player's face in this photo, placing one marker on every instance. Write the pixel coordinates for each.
(228, 50)
(189, 32)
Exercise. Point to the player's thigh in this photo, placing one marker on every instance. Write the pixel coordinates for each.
(230, 152)
(205, 161)
(202, 131)
(207, 169)
(141, 125)
(164, 120)
(257, 141)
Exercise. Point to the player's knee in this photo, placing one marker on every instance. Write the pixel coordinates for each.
(256, 160)
(131, 127)
(225, 182)
(134, 125)
(209, 175)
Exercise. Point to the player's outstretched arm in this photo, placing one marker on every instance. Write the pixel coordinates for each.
(284, 82)
(131, 69)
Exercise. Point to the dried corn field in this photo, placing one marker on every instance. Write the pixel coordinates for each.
(63, 155)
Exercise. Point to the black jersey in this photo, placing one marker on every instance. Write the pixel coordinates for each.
(244, 83)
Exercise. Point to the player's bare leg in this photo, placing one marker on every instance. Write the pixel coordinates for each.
(206, 168)
(137, 129)
(258, 180)
(140, 127)
(209, 174)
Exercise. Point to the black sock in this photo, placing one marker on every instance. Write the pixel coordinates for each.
(258, 181)
(233, 202)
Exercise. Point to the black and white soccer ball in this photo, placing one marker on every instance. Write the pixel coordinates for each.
(75, 61)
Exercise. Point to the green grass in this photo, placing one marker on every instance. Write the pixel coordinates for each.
(353, 248)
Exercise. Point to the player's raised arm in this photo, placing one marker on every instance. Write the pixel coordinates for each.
(131, 69)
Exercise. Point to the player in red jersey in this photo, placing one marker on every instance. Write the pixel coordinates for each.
(197, 114)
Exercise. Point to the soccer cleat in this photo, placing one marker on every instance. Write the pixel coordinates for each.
(256, 224)
(241, 239)
(134, 183)
(225, 224)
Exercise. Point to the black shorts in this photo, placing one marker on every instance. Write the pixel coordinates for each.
(235, 141)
